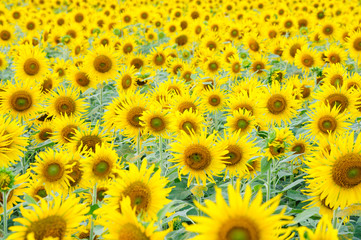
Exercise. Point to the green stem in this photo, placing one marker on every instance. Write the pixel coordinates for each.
(5, 213)
(268, 193)
(334, 219)
(94, 201)
(138, 150)
(292, 176)
(161, 153)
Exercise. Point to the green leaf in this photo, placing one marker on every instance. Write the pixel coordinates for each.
(265, 164)
(295, 183)
(296, 195)
(305, 215)
(92, 209)
(29, 199)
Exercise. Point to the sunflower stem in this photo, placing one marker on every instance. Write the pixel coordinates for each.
(334, 218)
(5, 212)
(292, 176)
(138, 150)
(161, 153)
(268, 193)
(94, 201)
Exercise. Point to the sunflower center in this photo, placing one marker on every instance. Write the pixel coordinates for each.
(276, 104)
(254, 46)
(130, 231)
(4, 181)
(197, 157)
(79, 17)
(44, 134)
(186, 106)
(31, 66)
(21, 101)
(298, 148)
(346, 171)
(101, 194)
(234, 155)
(5, 35)
(293, 49)
(307, 60)
(335, 58)
(338, 100)
(134, 115)
(41, 192)
(126, 81)
(211, 45)
(52, 226)
(65, 106)
(30, 26)
(157, 124)
(214, 100)
(234, 33)
(139, 194)
(236, 67)
(53, 172)
(305, 91)
(181, 40)
(137, 63)
(68, 132)
(82, 79)
(357, 44)
(102, 168)
(276, 150)
(128, 48)
(76, 174)
(213, 66)
(188, 127)
(240, 228)
(89, 142)
(327, 123)
(337, 80)
(159, 60)
(242, 124)
(102, 63)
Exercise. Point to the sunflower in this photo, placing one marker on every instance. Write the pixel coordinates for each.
(138, 61)
(278, 143)
(86, 140)
(341, 98)
(64, 128)
(101, 164)
(21, 100)
(30, 25)
(353, 45)
(241, 218)
(240, 150)
(253, 43)
(49, 83)
(146, 189)
(234, 67)
(325, 120)
(198, 156)
(58, 218)
(126, 80)
(213, 99)
(187, 122)
(335, 75)
(79, 78)
(128, 225)
(307, 58)
(129, 113)
(279, 103)
(7, 35)
(291, 47)
(244, 101)
(43, 131)
(335, 54)
(157, 58)
(186, 102)
(324, 230)
(52, 169)
(156, 121)
(212, 66)
(259, 65)
(338, 173)
(75, 161)
(35, 189)
(128, 45)
(102, 63)
(353, 82)
(30, 64)
(66, 101)
(241, 120)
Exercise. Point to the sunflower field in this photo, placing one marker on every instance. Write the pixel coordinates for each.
(180, 119)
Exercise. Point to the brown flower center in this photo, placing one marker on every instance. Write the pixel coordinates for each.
(21, 101)
(102, 63)
(102, 168)
(157, 124)
(31, 66)
(187, 106)
(338, 100)
(240, 228)
(51, 226)
(137, 63)
(307, 60)
(53, 171)
(76, 174)
(65, 106)
(276, 104)
(139, 194)
(45, 134)
(357, 44)
(89, 142)
(5, 35)
(197, 157)
(68, 132)
(294, 48)
(346, 171)
(134, 115)
(214, 100)
(327, 124)
(181, 40)
(234, 155)
(82, 79)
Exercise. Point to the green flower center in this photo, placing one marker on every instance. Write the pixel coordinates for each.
(242, 124)
(102, 167)
(53, 169)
